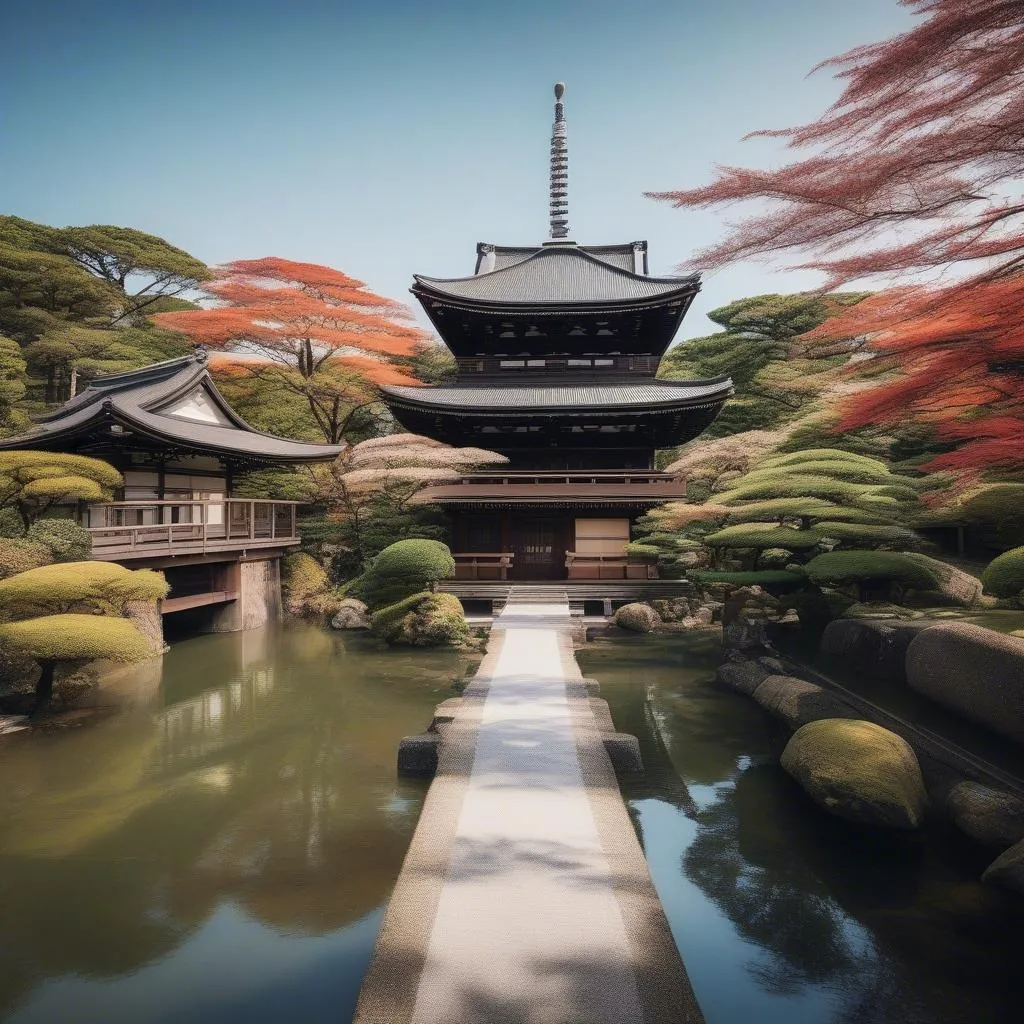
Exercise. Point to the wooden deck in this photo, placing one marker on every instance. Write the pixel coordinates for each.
(127, 530)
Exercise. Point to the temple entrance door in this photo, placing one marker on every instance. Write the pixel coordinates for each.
(539, 547)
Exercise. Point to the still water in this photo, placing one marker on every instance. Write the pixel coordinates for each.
(224, 852)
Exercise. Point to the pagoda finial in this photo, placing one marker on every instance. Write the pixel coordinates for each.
(559, 169)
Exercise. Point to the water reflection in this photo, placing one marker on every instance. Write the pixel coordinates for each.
(786, 914)
(264, 780)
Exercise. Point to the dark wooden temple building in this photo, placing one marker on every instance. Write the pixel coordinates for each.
(179, 447)
(557, 348)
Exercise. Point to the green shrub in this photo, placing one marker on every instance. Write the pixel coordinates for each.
(305, 587)
(1004, 576)
(426, 619)
(64, 538)
(868, 534)
(10, 523)
(784, 485)
(749, 536)
(838, 567)
(17, 556)
(405, 568)
(831, 456)
(770, 579)
(639, 549)
(862, 472)
(66, 586)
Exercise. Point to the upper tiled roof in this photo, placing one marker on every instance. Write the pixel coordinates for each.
(140, 402)
(651, 394)
(558, 275)
(621, 256)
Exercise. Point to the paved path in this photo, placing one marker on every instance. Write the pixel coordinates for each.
(525, 897)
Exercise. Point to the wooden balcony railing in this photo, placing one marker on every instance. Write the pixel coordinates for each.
(144, 529)
(608, 567)
(482, 565)
(555, 485)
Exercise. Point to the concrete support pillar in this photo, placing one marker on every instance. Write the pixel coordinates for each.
(258, 585)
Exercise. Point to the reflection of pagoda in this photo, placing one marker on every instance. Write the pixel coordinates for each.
(557, 348)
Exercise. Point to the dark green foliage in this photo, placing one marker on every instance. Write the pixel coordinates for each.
(869, 534)
(404, 568)
(63, 538)
(744, 536)
(997, 512)
(776, 580)
(1004, 576)
(380, 523)
(840, 567)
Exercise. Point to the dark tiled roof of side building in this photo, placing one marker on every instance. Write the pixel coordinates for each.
(138, 400)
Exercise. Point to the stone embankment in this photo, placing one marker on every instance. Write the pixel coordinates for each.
(525, 895)
(859, 762)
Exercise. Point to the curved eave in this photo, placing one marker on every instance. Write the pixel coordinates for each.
(712, 396)
(192, 437)
(554, 307)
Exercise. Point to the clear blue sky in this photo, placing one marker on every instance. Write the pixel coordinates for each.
(388, 138)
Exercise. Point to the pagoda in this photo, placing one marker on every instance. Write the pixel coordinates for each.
(557, 347)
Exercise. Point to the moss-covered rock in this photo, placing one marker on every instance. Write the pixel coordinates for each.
(351, 614)
(637, 617)
(1004, 576)
(742, 676)
(426, 619)
(991, 816)
(876, 647)
(1007, 870)
(973, 671)
(798, 702)
(859, 771)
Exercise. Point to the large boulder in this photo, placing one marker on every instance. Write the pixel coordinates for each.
(877, 647)
(422, 620)
(991, 816)
(973, 671)
(798, 702)
(637, 617)
(1007, 869)
(741, 676)
(351, 614)
(859, 771)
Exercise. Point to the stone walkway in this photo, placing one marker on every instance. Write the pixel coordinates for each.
(531, 894)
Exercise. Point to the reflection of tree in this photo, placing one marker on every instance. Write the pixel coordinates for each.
(746, 865)
(872, 915)
(275, 790)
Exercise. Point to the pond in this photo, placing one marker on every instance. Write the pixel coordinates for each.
(783, 913)
(224, 853)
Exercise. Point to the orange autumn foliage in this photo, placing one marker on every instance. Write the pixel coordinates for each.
(916, 170)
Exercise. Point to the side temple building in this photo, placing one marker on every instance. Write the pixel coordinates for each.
(180, 446)
(557, 348)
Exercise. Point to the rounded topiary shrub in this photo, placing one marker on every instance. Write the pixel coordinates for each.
(1004, 576)
(17, 556)
(639, 618)
(63, 538)
(405, 568)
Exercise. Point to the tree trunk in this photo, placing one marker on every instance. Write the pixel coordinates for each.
(44, 686)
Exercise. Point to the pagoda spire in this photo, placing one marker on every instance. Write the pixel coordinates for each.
(559, 169)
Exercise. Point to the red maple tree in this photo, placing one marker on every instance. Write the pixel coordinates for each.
(914, 176)
(304, 328)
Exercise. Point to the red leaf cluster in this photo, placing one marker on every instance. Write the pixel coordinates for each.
(303, 315)
(917, 170)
